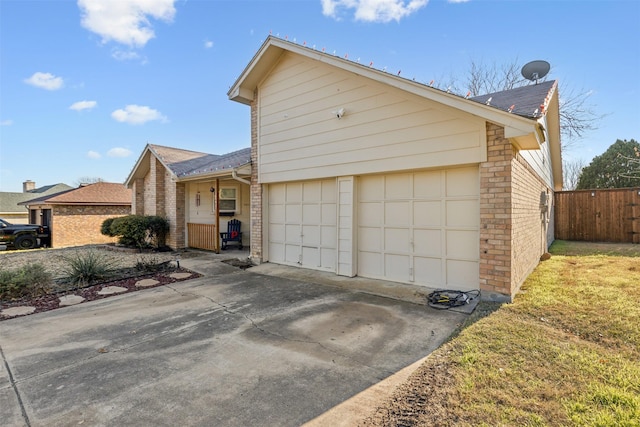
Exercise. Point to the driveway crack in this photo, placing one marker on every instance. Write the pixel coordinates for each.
(14, 386)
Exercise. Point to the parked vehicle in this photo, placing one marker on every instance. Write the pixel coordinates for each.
(24, 236)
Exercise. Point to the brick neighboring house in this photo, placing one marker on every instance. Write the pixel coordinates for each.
(76, 215)
(361, 172)
(197, 193)
(10, 208)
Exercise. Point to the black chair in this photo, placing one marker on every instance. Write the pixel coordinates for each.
(233, 234)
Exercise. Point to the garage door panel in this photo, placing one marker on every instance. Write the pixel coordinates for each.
(276, 252)
(293, 214)
(328, 214)
(462, 213)
(277, 194)
(371, 264)
(277, 214)
(292, 233)
(311, 214)
(426, 185)
(397, 187)
(396, 213)
(328, 236)
(427, 242)
(310, 235)
(328, 257)
(462, 244)
(396, 240)
(427, 213)
(329, 192)
(277, 232)
(292, 254)
(397, 267)
(311, 191)
(369, 239)
(372, 188)
(429, 270)
(293, 193)
(462, 182)
(370, 213)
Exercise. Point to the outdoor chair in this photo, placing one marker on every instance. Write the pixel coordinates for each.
(233, 234)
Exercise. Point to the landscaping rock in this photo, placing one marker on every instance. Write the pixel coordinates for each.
(144, 283)
(70, 300)
(110, 290)
(17, 311)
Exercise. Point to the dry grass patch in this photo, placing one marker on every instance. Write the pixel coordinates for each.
(565, 352)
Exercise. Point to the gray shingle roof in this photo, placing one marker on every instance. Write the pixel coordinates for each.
(185, 162)
(9, 201)
(526, 101)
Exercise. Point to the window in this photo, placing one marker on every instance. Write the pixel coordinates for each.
(228, 200)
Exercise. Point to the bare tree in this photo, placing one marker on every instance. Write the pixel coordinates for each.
(577, 114)
(571, 170)
(482, 78)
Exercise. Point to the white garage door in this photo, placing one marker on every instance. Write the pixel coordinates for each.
(420, 228)
(302, 224)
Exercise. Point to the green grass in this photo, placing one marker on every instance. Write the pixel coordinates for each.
(565, 352)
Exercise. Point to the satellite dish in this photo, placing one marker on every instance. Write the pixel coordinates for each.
(535, 70)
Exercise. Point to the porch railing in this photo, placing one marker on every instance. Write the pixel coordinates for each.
(202, 236)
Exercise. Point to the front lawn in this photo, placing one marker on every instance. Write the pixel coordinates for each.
(565, 352)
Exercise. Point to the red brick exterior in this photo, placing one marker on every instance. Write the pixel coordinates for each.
(80, 225)
(513, 228)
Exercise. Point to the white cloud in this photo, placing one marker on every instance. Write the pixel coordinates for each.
(124, 55)
(137, 115)
(7, 122)
(125, 21)
(208, 44)
(93, 154)
(83, 105)
(119, 152)
(45, 81)
(373, 10)
(457, 1)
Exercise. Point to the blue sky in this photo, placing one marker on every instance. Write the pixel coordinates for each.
(84, 85)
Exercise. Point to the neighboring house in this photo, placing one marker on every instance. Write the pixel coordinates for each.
(75, 216)
(184, 186)
(12, 211)
(357, 171)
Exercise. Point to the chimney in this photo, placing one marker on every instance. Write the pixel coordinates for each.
(28, 185)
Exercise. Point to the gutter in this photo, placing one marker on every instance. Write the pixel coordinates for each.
(234, 175)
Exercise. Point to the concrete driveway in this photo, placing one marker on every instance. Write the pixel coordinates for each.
(234, 348)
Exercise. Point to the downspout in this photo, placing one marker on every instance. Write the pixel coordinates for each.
(234, 175)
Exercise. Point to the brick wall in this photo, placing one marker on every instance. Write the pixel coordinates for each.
(529, 224)
(137, 206)
(256, 189)
(513, 229)
(175, 197)
(80, 225)
(495, 216)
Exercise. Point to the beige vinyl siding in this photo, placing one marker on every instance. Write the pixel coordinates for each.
(383, 128)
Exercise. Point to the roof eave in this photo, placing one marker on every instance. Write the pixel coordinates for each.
(223, 173)
(244, 87)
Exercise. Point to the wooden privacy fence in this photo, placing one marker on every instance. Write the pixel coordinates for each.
(202, 236)
(598, 215)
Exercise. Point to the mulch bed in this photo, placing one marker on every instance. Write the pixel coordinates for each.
(90, 293)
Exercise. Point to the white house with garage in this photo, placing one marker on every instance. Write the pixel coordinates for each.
(360, 172)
